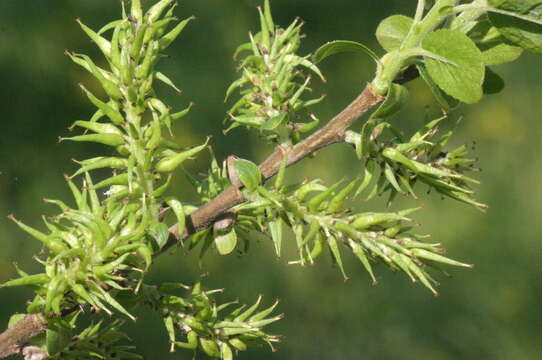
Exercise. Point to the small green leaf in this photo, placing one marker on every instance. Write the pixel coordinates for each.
(248, 173)
(396, 98)
(464, 80)
(178, 209)
(226, 243)
(392, 31)
(339, 46)
(159, 233)
(500, 53)
(521, 32)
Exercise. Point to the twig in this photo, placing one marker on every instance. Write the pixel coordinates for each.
(332, 133)
(13, 339)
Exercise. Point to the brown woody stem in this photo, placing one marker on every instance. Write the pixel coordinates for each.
(332, 133)
(13, 339)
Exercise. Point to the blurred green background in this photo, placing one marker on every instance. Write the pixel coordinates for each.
(490, 312)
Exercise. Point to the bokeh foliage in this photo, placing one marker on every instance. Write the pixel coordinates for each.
(487, 312)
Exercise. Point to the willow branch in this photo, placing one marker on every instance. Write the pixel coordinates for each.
(15, 338)
(12, 340)
(333, 132)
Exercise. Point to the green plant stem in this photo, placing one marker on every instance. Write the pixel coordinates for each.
(394, 62)
(419, 11)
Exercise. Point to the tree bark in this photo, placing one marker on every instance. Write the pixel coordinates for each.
(13, 339)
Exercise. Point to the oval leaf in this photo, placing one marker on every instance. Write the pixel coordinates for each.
(339, 46)
(521, 32)
(159, 232)
(462, 75)
(226, 243)
(392, 31)
(248, 174)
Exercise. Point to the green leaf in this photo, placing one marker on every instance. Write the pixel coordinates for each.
(445, 101)
(493, 83)
(339, 46)
(178, 209)
(500, 53)
(392, 31)
(248, 173)
(464, 80)
(521, 32)
(159, 233)
(396, 98)
(226, 243)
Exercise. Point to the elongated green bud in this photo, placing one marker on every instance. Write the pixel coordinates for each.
(103, 44)
(143, 70)
(225, 352)
(246, 314)
(101, 162)
(416, 166)
(109, 111)
(315, 202)
(263, 314)
(238, 344)
(193, 323)
(157, 9)
(106, 139)
(55, 244)
(101, 271)
(167, 39)
(83, 294)
(135, 52)
(170, 163)
(121, 179)
(111, 87)
(338, 200)
(99, 128)
(265, 322)
(209, 347)
(364, 221)
(136, 11)
(29, 280)
(428, 255)
(308, 188)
